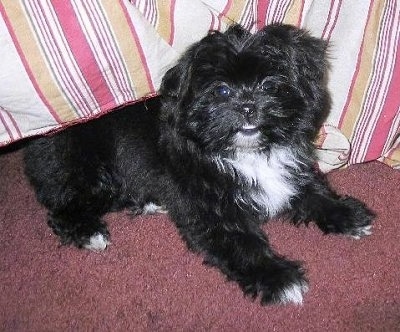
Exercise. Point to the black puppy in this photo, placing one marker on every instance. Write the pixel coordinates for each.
(230, 146)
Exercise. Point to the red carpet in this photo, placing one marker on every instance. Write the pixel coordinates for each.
(148, 281)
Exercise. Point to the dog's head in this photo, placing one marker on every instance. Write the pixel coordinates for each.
(237, 90)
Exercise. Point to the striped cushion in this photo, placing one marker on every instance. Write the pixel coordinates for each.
(64, 62)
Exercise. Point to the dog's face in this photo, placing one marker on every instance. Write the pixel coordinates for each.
(237, 90)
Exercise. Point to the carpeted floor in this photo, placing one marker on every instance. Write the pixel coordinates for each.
(148, 281)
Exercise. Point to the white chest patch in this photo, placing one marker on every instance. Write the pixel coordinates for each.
(269, 182)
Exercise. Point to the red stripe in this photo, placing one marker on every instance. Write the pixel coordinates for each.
(328, 19)
(301, 14)
(26, 65)
(82, 52)
(146, 10)
(106, 44)
(14, 123)
(390, 110)
(279, 12)
(262, 7)
(334, 20)
(226, 9)
(212, 24)
(248, 20)
(172, 22)
(139, 47)
(63, 75)
(4, 122)
(223, 13)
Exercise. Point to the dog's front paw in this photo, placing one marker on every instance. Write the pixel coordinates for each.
(359, 232)
(349, 217)
(279, 282)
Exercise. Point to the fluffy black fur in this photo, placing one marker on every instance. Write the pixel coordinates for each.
(228, 145)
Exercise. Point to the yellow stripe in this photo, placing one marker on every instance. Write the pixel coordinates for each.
(36, 62)
(164, 20)
(128, 47)
(293, 15)
(365, 69)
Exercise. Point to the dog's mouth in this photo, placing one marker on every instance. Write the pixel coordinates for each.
(249, 130)
(247, 137)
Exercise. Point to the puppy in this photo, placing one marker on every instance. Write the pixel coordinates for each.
(227, 146)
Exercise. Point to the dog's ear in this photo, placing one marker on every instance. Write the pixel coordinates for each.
(306, 57)
(312, 55)
(175, 82)
(306, 53)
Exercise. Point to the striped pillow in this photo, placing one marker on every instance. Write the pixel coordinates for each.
(69, 61)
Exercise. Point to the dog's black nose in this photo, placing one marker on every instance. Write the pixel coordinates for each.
(248, 109)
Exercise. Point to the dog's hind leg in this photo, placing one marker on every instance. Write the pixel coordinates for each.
(75, 215)
(149, 208)
(81, 230)
(75, 187)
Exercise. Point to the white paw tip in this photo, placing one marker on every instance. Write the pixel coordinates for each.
(151, 208)
(97, 242)
(362, 231)
(293, 293)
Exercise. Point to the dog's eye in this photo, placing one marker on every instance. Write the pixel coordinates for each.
(275, 88)
(223, 91)
(269, 86)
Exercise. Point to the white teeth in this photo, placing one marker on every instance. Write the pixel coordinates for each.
(248, 127)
